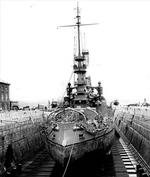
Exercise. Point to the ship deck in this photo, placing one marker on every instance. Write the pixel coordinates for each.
(66, 135)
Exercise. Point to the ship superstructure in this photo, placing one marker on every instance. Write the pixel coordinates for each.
(79, 128)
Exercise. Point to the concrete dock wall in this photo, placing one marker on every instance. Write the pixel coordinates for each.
(134, 123)
(22, 130)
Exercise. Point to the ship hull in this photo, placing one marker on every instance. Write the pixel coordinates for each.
(76, 151)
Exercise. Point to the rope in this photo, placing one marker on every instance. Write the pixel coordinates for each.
(68, 159)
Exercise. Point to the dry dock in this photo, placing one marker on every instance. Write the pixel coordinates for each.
(120, 162)
(33, 160)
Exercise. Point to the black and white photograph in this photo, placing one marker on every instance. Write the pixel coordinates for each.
(74, 88)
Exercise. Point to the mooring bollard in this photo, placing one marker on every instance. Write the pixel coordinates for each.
(19, 168)
(14, 171)
(8, 174)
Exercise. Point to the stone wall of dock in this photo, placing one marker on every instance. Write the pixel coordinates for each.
(22, 130)
(134, 124)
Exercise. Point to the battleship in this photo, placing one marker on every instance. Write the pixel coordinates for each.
(82, 125)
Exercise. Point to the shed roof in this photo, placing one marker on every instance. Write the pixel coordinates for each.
(3, 82)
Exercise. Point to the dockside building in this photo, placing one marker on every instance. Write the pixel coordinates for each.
(4, 96)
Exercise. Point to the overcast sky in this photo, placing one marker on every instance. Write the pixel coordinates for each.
(36, 58)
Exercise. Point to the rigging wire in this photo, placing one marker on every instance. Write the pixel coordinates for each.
(82, 42)
(75, 48)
